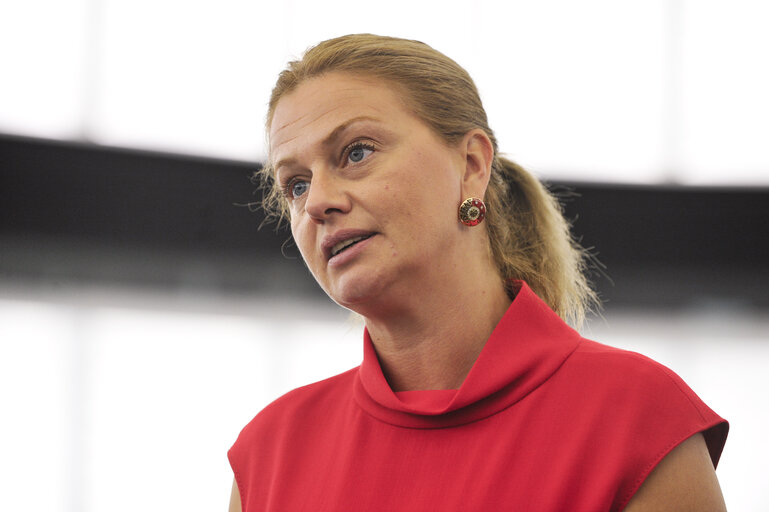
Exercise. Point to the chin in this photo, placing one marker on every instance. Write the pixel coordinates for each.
(356, 292)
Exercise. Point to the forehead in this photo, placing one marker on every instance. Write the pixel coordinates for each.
(320, 104)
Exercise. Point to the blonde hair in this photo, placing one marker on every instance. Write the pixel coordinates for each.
(529, 237)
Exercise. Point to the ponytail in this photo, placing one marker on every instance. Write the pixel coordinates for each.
(530, 240)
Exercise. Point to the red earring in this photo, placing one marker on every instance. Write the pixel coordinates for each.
(472, 211)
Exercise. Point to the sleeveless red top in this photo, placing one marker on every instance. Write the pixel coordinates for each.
(545, 420)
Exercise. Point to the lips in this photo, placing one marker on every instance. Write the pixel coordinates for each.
(338, 242)
(341, 246)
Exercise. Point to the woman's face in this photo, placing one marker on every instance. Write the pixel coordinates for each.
(372, 192)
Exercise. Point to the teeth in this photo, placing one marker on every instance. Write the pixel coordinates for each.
(342, 245)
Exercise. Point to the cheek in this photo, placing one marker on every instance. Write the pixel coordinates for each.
(423, 214)
(302, 238)
(433, 193)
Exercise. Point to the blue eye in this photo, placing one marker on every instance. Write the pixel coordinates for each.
(298, 188)
(358, 152)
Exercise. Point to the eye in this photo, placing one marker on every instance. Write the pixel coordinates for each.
(297, 187)
(358, 151)
(294, 188)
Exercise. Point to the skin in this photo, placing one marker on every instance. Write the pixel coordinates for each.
(423, 274)
(235, 505)
(351, 156)
(684, 480)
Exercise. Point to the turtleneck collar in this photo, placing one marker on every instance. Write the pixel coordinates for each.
(527, 346)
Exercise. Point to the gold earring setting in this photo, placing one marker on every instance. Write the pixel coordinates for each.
(472, 211)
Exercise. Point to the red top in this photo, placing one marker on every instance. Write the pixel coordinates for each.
(545, 420)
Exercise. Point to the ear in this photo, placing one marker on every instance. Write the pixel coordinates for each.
(478, 154)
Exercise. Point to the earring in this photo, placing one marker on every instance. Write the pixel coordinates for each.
(472, 211)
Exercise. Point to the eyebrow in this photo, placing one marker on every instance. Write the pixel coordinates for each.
(329, 140)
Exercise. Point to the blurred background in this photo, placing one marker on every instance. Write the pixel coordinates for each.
(144, 317)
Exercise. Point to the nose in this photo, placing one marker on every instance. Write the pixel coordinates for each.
(326, 197)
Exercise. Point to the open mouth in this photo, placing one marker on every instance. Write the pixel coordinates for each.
(346, 244)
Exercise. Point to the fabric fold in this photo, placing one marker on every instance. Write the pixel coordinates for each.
(528, 345)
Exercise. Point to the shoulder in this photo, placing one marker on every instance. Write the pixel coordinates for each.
(640, 409)
(289, 418)
(631, 372)
(592, 352)
(303, 402)
(638, 390)
(281, 428)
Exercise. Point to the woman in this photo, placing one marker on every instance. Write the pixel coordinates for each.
(473, 394)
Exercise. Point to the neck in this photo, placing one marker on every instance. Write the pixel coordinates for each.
(435, 335)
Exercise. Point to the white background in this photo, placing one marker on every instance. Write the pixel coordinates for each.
(124, 400)
(651, 91)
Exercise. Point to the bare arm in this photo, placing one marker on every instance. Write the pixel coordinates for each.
(235, 505)
(684, 481)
